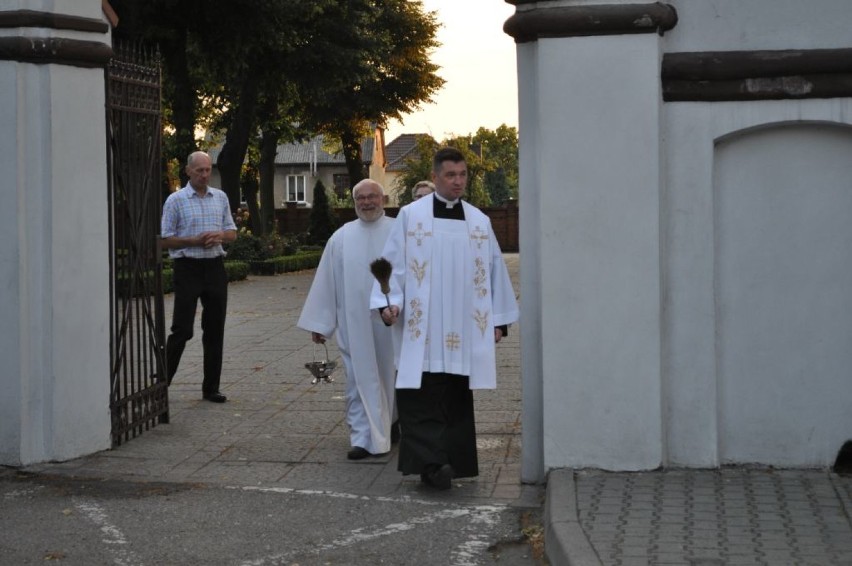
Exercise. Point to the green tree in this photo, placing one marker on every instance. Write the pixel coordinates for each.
(322, 220)
(378, 70)
(171, 25)
(497, 187)
(499, 152)
(476, 168)
(418, 167)
(249, 66)
(250, 182)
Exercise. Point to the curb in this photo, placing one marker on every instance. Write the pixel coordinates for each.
(565, 543)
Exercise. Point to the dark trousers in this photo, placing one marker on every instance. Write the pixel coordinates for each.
(196, 279)
(438, 426)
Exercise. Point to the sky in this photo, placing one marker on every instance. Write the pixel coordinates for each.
(477, 61)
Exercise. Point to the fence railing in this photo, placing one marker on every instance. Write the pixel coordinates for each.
(504, 221)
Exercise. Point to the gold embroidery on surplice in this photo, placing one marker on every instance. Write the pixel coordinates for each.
(452, 341)
(419, 234)
(419, 270)
(481, 319)
(415, 320)
(479, 237)
(480, 276)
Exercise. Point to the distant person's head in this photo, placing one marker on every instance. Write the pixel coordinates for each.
(198, 169)
(421, 189)
(368, 196)
(449, 173)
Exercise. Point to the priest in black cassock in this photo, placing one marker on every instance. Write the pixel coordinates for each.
(451, 289)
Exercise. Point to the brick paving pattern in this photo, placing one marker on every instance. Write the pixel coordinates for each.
(736, 516)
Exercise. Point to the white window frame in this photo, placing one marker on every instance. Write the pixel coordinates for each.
(295, 188)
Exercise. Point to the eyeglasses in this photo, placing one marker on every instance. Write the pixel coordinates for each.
(364, 198)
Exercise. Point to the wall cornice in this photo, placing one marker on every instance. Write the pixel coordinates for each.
(62, 51)
(34, 19)
(757, 75)
(58, 50)
(602, 19)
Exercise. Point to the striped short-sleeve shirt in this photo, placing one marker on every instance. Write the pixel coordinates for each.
(185, 215)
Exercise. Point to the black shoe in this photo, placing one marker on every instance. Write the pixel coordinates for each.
(395, 432)
(441, 478)
(357, 453)
(215, 397)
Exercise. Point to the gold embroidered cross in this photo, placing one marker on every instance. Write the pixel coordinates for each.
(452, 341)
(419, 233)
(479, 236)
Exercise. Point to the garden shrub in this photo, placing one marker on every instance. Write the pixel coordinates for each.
(286, 264)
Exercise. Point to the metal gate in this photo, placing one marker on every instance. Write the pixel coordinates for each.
(139, 393)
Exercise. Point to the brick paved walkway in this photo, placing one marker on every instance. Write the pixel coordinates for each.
(733, 516)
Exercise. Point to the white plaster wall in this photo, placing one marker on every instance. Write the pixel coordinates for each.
(712, 415)
(10, 280)
(598, 186)
(530, 211)
(62, 297)
(79, 276)
(698, 404)
(54, 274)
(736, 25)
(783, 201)
(622, 273)
(86, 9)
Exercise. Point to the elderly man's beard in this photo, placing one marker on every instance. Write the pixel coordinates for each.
(370, 215)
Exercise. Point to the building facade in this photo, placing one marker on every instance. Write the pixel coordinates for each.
(54, 262)
(685, 204)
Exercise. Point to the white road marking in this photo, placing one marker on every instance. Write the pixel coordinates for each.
(112, 535)
(468, 552)
(16, 493)
(482, 519)
(336, 494)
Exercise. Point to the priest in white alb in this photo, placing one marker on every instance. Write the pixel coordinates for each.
(338, 303)
(451, 290)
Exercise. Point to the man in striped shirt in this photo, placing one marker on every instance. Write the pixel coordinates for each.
(196, 222)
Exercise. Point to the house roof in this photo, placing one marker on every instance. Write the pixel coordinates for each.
(310, 151)
(399, 150)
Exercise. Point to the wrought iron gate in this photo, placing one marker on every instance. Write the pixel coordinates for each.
(138, 392)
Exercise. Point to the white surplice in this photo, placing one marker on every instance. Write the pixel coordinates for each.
(452, 287)
(338, 303)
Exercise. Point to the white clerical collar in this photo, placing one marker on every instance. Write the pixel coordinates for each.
(449, 203)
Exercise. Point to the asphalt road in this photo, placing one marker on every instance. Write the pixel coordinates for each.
(78, 521)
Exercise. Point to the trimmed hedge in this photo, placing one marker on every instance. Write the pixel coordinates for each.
(287, 263)
(236, 271)
(239, 270)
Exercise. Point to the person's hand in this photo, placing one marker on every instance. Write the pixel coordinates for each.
(390, 314)
(210, 239)
(317, 338)
(498, 335)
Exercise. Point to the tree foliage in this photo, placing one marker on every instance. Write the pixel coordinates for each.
(499, 153)
(492, 165)
(418, 167)
(255, 68)
(377, 70)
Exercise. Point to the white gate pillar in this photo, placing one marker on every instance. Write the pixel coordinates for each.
(54, 261)
(590, 176)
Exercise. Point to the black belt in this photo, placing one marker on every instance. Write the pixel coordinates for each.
(205, 259)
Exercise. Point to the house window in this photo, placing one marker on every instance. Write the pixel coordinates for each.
(341, 185)
(295, 188)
